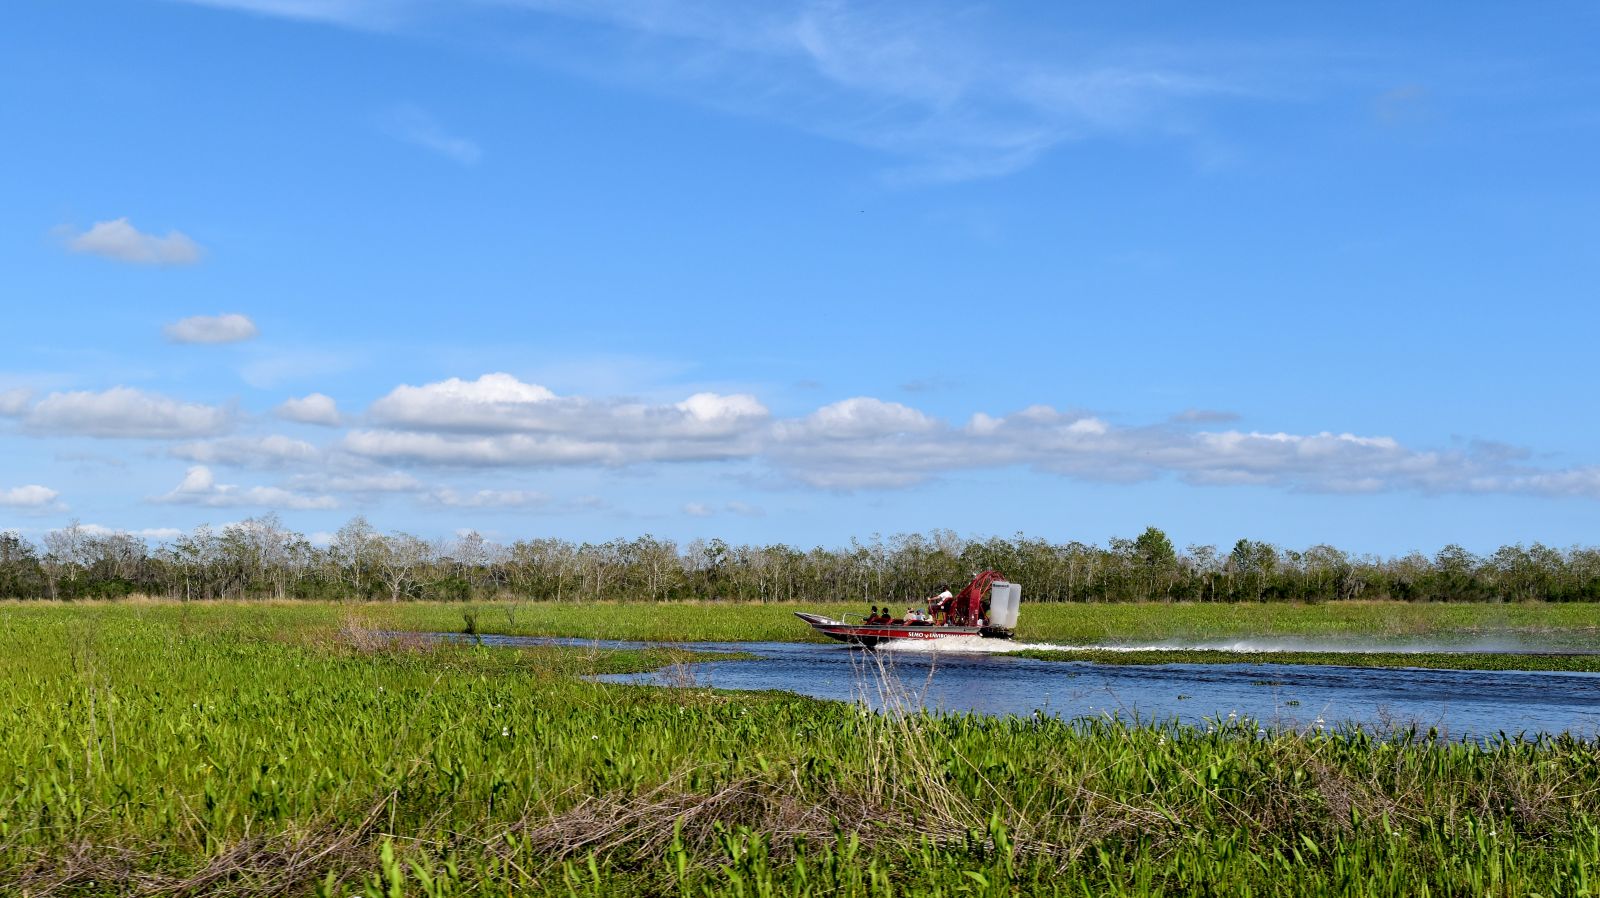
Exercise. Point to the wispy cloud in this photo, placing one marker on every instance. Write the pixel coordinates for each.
(704, 510)
(316, 408)
(452, 498)
(232, 328)
(200, 487)
(147, 533)
(928, 85)
(14, 401)
(416, 126)
(123, 412)
(273, 367)
(32, 497)
(274, 451)
(119, 240)
(1204, 416)
(352, 13)
(1403, 105)
(931, 86)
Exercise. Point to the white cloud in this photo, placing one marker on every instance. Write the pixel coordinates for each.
(474, 451)
(744, 509)
(118, 239)
(705, 510)
(200, 487)
(30, 496)
(488, 498)
(869, 443)
(1087, 448)
(1573, 482)
(1204, 416)
(274, 451)
(14, 402)
(859, 418)
(313, 409)
(156, 533)
(388, 482)
(125, 412)
(711, 408)
(499, 420)
(231, 328)
(416, 126)
(492, 402)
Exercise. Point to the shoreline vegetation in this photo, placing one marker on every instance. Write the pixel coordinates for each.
(261, 558)
(1483, 636)
(241, 749)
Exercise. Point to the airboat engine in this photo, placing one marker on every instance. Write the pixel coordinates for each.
(1004, 598)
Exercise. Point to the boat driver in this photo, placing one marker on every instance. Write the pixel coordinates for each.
(940, 604)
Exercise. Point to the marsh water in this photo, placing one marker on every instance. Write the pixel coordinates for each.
(1457, 703)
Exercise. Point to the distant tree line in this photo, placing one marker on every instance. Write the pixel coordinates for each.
(260, 558)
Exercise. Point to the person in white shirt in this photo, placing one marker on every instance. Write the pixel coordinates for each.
(940, 604)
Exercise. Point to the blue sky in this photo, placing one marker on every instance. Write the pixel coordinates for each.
(802, 271)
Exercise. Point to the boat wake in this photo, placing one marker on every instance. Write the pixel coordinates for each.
(979, 645)
(972, 645)
(982, 645)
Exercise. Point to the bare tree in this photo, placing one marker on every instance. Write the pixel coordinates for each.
(401, 559)
(355, 548)
(64, 556)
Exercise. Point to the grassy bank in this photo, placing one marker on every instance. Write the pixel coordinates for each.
(284, 749)
(1135, 623)
(1073, 624)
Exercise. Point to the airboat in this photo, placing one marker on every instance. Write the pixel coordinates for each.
(986, 607)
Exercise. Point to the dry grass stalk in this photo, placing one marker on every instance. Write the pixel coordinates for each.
(357, 633)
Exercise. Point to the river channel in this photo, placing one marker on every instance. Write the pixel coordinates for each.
(1457, 703)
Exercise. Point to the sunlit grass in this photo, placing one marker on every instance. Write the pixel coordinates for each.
(287, 749)
(1072, 624)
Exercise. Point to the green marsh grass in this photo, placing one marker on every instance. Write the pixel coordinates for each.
(286, 750)
(1072, 624)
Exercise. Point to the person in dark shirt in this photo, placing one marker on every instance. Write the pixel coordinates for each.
(873, 617)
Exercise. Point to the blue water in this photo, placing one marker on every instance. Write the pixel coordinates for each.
(1457, 703)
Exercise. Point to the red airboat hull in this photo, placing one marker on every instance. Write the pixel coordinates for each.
(874, 634)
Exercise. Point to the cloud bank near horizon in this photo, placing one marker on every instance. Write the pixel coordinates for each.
(410, 437)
